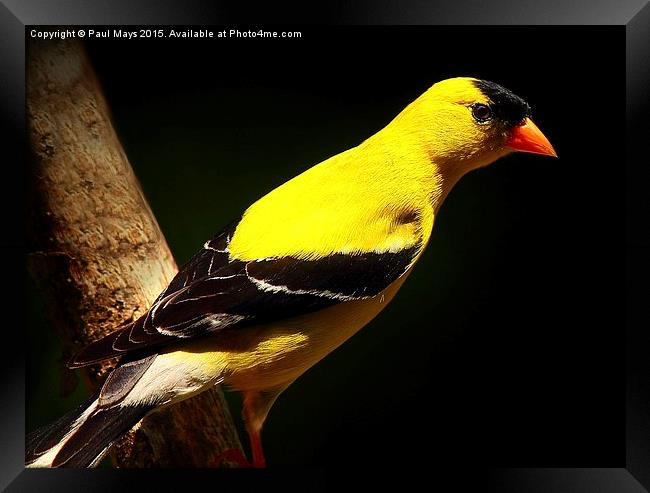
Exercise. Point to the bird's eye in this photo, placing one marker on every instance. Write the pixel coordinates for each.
(481, 112)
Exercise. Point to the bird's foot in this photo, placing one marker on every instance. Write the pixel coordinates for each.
(237, 457)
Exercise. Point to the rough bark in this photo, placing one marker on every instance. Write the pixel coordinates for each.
(97, 252)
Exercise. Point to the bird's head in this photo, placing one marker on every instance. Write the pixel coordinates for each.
(466, 123)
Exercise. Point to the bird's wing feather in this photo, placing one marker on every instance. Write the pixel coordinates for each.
(211, 293)
(212, 257)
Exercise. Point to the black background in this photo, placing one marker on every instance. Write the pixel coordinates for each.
(505, 346)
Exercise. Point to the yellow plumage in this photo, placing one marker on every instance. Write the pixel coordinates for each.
(353, 201)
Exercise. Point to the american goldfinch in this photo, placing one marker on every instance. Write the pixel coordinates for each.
(303, 269)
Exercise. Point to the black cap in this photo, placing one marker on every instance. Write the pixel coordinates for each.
(506, 106)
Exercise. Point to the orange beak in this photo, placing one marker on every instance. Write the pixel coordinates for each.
(528, 138)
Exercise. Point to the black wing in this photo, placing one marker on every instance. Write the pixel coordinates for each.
(211, 293)
(212, 257)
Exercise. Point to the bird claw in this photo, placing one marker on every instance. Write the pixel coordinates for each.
(234, 456)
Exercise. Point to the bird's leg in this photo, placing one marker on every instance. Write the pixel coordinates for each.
(256, 407)
(256, 449)
(252, 403)
(236, 456)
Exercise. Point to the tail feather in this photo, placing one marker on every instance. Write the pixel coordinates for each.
(81, 437)
(43, 440)
(92, 438)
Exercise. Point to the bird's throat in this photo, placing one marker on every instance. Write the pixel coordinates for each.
(444, 182)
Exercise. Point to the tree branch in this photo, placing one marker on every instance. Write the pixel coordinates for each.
(98, 254)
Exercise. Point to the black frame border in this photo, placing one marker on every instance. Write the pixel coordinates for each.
(633, 14)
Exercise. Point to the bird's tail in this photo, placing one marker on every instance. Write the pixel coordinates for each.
(81, 437)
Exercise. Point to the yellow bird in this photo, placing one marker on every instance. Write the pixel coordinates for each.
(305, 267)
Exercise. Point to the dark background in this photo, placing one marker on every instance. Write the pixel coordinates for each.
(506, 345)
